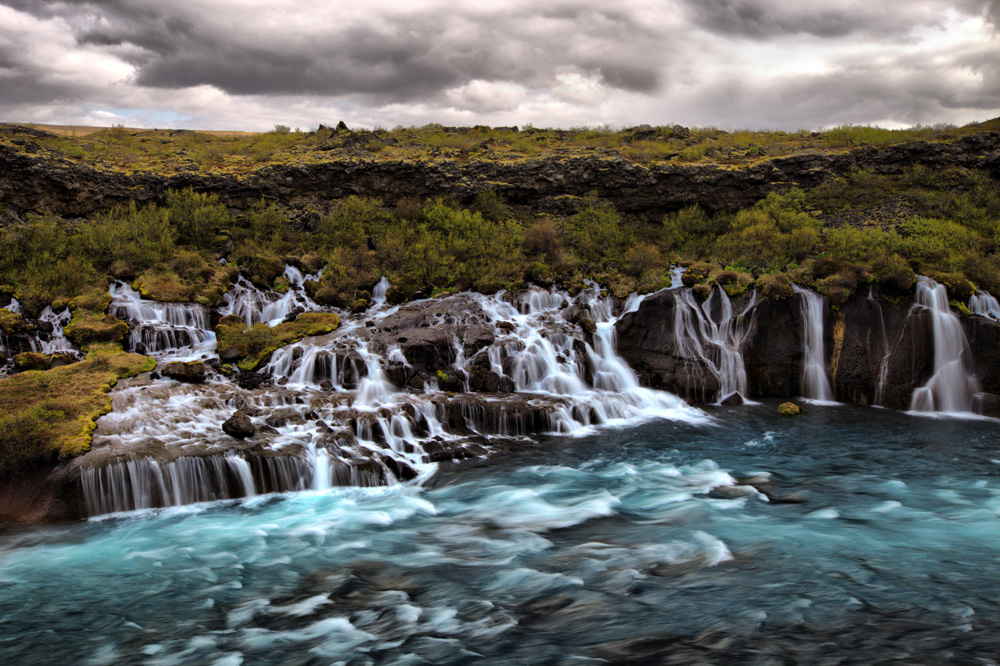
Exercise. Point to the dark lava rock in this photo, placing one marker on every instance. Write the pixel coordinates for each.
(230, 354)
(192, 372)
(732, 400)
(238, 425)
(251, 380)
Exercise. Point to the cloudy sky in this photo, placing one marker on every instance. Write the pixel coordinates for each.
(248, 64)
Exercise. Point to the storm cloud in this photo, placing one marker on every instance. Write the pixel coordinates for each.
(757, 63)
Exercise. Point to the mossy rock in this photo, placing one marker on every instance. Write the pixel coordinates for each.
(698, 272)
(775, 285)
(31, 361)
(702, 290)
(86, 328)
(789, 409)
(252, 345)
(359, 306)
(12, 323)
(734, 282)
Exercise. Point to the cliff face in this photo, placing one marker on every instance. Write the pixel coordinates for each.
(31, 184)
(876, 353)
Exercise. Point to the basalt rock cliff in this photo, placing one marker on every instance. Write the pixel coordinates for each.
(30, 183)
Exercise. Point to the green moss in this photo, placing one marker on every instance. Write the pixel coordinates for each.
(255, 343)
(775, 285)
(90, 324)
(13, 323)
(789, 409)
(52, 413)
(31, 361)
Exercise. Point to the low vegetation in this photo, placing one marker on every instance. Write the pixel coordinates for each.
(45, 415)
(172, 151)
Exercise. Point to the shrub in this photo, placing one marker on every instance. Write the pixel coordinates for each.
(134, 237)
(196, 216)
(775, 285)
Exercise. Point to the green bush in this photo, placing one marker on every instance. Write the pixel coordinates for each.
(131, 238)
(196, 216)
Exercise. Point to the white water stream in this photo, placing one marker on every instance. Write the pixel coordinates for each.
(952, 385)
(815, 384)
(714, 334)
(984, 304)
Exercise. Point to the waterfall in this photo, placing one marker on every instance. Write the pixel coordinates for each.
(57, 341)
(378, 293)
(984, 304)
(815, 384)
(351, 408)
(712, 334)
(883, 370)
(175, 331)
(951, 386)
(255, 306)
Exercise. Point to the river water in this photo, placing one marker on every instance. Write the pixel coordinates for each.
(847, 535)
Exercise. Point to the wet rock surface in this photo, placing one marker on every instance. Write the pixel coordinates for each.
(239, 425)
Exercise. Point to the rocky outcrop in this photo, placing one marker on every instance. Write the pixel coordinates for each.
(648, 341)
(877, 351)
(32, 184)
(239, 425)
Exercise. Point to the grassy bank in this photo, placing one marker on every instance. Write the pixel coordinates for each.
(51, 414)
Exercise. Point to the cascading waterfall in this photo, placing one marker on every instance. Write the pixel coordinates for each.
(337, 418)
(815, 384)
(951, 387)
(57, 341)
(712, 334)
(984, 304)
(255, 306)
(173, 331)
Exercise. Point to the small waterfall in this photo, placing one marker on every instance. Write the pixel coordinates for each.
(378, 293)
(883, 370)
(712, 334)
(255, 306)
(815, 384)
(676, 273)
(164, 330)
(984, 304)
(951, 386)
(57, 341)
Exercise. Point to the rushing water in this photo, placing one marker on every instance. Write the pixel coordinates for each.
(951, 386)
(815, 384)
(640, 544)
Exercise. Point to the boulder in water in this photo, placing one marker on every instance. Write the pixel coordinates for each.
(192, 371)
(732, 400)
(238, 425)
(789, 409)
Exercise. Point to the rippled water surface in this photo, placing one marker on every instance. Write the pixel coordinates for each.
(849, 535)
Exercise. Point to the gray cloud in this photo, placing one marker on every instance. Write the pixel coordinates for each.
(735, 63)
(396, 58)
(830, 19)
